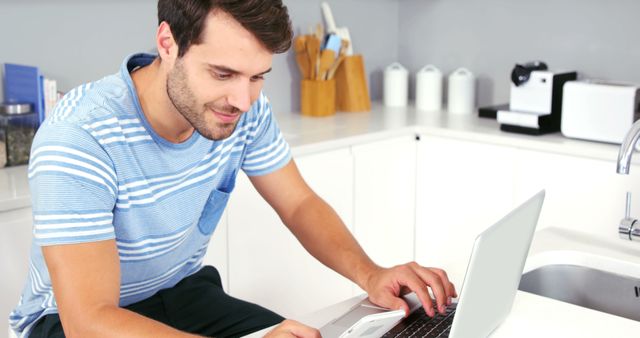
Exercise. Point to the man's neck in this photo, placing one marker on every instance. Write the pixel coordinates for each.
(151, 85)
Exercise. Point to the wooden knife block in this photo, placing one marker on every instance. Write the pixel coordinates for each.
(352, 94)
(318, 97)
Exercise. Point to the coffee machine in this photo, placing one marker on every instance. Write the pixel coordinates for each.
(535, 105)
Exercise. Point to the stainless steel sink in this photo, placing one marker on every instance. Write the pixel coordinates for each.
(596, 289)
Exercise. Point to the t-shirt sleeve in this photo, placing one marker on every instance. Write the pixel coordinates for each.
(267, 150)
(73, 187)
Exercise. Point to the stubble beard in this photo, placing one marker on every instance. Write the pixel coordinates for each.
(183, 99)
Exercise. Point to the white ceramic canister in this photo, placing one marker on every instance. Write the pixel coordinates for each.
(396, 86)
(429, 88)
(461, 92)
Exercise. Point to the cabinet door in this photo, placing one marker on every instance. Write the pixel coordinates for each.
(267, 265)
(15, 244)
(385, 174)
(463, 187)
(581, 193)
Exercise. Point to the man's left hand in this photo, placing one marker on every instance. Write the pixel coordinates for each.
(386, 286)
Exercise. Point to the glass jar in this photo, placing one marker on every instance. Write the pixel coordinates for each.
(19, 124)
(3, 148)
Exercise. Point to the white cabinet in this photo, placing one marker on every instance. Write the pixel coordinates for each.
(15, 243)
(267, 265)
(385, 176)
(462, 188)
(582, 194)
(371, 187)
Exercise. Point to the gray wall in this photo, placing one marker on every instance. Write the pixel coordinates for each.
(597, 38)
(76, 41)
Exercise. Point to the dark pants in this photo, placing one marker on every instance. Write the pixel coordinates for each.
(196, 305)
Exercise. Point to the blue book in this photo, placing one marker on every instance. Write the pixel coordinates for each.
(24, 84)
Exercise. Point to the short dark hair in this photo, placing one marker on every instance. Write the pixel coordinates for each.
(268, 20)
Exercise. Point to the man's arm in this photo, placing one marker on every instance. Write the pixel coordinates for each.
(321, 231)
(86, 284)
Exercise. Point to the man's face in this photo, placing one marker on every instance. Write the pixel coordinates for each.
(215, 82)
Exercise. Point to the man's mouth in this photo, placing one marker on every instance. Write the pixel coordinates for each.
(225, 117)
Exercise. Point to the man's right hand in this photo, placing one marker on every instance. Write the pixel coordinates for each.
(291, 328)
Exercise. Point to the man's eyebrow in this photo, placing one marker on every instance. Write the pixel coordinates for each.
(265, 72)
(233, 71)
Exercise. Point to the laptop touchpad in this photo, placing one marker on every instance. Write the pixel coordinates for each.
(351, 317)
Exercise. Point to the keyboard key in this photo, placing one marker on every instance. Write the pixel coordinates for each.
(418, 324)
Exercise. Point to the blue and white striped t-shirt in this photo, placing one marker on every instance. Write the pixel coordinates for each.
(98, 171)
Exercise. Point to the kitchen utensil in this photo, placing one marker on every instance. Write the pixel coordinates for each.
(344, 46)
(396, 85)
(341, 56)
(318, 97)
(599, 110)
(535, 105)
(334, 67)
(15, 108)
(342, 32)
(313, 52)
(300, 48)
(333, 42)
(536, 95)
(429, 88)
(327, 58)
(319, 32)
(18, 124)
(521, 72)
(351, 85)
(461, 92)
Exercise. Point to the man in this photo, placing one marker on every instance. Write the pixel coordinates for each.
(130, 174)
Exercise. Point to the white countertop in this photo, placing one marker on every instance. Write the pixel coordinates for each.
(534, 316)
(312, 134)
(308, 135)
(14, 188)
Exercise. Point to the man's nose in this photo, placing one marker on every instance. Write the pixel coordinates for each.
(240, 95)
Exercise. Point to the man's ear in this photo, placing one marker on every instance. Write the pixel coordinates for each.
(167, 46)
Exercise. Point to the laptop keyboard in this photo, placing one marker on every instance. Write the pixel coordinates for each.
(418, 324)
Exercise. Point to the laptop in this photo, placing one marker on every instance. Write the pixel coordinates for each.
(489, 287)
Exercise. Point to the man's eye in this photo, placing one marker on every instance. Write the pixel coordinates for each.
(257, 78)
(221, 76)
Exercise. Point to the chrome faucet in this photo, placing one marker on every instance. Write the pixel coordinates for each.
(629, 228)
(627, 148)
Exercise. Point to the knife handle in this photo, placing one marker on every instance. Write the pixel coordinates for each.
(328, 17)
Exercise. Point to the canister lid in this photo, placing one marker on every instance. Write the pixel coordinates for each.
(15, 108)
(396, 67)
(430, 69)
(462, 73)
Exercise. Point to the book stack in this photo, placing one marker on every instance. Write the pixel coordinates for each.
(26, 84)
(51, 95)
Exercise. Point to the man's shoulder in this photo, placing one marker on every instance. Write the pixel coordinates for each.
(93, 101)
(84, 109)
